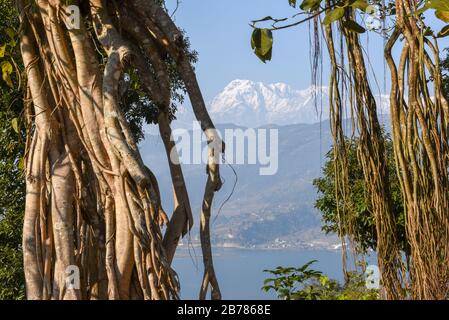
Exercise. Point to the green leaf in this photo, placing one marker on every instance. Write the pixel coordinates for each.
(6, 67)
(15, 124)
(444, 32)
(266, 18)
(21, 163)
(6, 71)
(10, 32)
(8, 80)
(442, 15)
(311, 5)
(441, 5)
(12, 43)
(360, 4)
(2, 50)
(292, 3)
(333, 15)
(422, 10)
(324, 280)
(262, 43)
(263, 19)
(428, 32)
(353, 26)
(306, 265)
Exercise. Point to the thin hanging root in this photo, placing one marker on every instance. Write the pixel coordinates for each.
(372, 156)
(339, 148)
(209, 277)
(182, 219)
(371, 153)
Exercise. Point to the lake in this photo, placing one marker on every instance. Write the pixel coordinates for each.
(240, 271)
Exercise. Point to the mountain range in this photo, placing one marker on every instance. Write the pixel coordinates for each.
(253, 104)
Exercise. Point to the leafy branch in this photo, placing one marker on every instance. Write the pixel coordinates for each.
(262, 38)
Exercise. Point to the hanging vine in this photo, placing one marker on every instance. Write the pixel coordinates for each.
(419, 116)
(419, 121)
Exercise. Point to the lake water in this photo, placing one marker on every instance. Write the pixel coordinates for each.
(240, 271)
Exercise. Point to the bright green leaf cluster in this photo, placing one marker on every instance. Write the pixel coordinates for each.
(304, 283)
(351, 215)
(338, 12)
(6, 48)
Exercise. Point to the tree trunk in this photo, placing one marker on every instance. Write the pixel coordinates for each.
(91, 203)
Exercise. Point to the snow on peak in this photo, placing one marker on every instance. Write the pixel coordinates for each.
(249, 103)
(252, 104)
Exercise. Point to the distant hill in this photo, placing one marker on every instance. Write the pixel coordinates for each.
(264, 211)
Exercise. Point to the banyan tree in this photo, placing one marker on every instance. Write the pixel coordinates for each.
(419, 120)
(91, 203)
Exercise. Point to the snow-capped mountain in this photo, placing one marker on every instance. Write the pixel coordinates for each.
(249, 103)
(252, 104)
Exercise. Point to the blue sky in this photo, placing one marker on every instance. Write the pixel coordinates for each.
(219, 30)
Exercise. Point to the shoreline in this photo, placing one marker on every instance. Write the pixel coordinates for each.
(262, 248)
